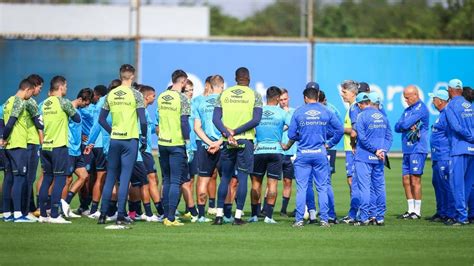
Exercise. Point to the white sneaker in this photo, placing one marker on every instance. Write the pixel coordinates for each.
(152, 218)
(212, 211)
(112, 218)
(24, 219)
(87, 213)
(269, 221)
(253, 219)
(65, 207)
(194, 219)
(204, 220)
(59, 220)
(142, 217)
(31, 217)
(94, 215)
(72, 215)
(43, 220)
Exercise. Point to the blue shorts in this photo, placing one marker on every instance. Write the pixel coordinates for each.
(139, 175)
(55, 161)
(288, 168)
(270, 163)
(349, 164)
(88, 158)
(76, 162)
(193, 165)
(207, 162)
(332, 160)
(3, 159)
(149, 163)
(100, 159)
(17, 160)
(413, 164)
(242, 157)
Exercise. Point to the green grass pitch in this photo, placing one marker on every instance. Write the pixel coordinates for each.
(399, 242)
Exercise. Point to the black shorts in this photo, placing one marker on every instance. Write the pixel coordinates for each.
(17, 160)
(149, 163)
(207, 162)
(76, 162)
(55, 161)
(100, 159)
(139, 175)
(332, 160)
(288, 168)
(269, 163)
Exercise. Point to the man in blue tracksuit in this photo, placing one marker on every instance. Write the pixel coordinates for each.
(309, 126)
(460, 118)
(413, 124)
(374, 139)
(440, 159)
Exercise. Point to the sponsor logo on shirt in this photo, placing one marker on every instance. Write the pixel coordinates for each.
(371, 157)
(311, 151)
(312, 113)
(238, 92)
(466, 105)
(470, 148)
(377, 116)
(120, 134)
(167, 98)
(120, 93)
(414, 161)
(415, 168)
(47, 103)
(268, 113)
(211, 101)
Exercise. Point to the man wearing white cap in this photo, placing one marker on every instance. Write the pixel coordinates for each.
(440, 159)
(460, 118)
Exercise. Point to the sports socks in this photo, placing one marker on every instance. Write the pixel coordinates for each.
(269, 210)
(202, 210)
(69, 197)
(159, 208)
(417, 207)
(411, 205)
(284, 204)
(212, 202)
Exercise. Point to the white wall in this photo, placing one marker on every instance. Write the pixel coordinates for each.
(103, 20)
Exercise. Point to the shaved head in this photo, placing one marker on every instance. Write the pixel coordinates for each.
(411, 94)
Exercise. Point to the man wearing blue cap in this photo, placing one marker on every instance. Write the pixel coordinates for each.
(440, 159)
(413, 124)
(374, 139)
(309, 126)
(460, 118)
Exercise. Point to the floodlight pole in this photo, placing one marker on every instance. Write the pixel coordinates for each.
(137, 39)
(311, 38)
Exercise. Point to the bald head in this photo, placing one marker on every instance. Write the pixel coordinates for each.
(411, 94)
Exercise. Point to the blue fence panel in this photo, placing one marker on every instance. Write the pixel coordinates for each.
(389, 69)
(280, 64)
(82, 63)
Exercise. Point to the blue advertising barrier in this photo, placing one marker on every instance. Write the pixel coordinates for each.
(389, 69)
(281, 64)
(82, 63)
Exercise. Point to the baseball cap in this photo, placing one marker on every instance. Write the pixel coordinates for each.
(362, 97)
(374, 97)
(441, 94)
(455, 84)
(312, 85)
(363, 87)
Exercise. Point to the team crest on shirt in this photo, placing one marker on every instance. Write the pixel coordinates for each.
(238, 92)
(268, 113)
(377, 116)
(312, 113)
(167, 98)
(211, 101)
(466, 105)
(120, 93)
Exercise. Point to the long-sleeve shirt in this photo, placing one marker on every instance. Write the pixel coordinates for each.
(309, 126)
(439, 138)
(460, 119)
(411, 115)
(373, 133)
